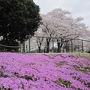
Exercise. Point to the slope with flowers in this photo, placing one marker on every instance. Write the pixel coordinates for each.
(43, 72)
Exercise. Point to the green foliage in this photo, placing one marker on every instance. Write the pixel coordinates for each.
(63, 83)
(9, 43)
(26, 77)
(18, 18)
(83, 69)
(61, 63)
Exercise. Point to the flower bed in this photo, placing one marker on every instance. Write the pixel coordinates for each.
(43, 72)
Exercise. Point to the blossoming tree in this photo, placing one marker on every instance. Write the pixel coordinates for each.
(63, 27)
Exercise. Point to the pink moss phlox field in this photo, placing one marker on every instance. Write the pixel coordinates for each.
(43, 72)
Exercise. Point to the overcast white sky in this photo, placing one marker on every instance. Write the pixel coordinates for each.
(76, 7)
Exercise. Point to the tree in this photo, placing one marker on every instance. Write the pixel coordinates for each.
(59, 23)
(47, 29)
(39, 39)
(18, 18)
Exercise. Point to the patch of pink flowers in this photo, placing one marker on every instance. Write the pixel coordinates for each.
(43, 72)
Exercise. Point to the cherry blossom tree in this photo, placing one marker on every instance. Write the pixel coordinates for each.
(39, 39)
(59, 24)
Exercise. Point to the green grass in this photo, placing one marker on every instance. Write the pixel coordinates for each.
(80, 54)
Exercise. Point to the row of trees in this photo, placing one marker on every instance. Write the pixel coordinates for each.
(61, 25)
(21, 18)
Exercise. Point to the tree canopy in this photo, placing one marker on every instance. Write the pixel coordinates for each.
(62, 26)
(18, 18)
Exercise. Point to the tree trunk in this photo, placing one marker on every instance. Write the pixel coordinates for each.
(48, 45)
(39, 49)
(67, 47)
(71, 46)
(52, 45)
(23, 46)
(82, 46)
(59, 48)
(29, 44)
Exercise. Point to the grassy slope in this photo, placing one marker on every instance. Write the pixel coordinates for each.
(79, 54)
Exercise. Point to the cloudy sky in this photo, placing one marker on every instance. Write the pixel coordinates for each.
(76, 7)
